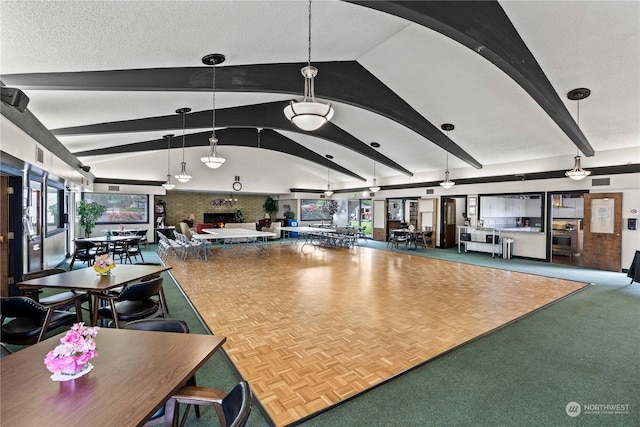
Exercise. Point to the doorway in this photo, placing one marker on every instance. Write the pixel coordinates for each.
(361, 215)
(566, 224)
(448, 223)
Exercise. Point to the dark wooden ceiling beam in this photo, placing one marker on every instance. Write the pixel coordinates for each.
(266, 116)
(484, 27)
(241, 137)
(341, 81)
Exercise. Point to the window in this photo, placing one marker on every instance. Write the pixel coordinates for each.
(317, 210)
(121, 208)
(54, 209)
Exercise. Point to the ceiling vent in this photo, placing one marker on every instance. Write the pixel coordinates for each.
(39, 155)
(430, 191)
(595, 182)
(114, 188)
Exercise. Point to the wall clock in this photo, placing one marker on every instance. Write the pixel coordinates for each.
(237, 186)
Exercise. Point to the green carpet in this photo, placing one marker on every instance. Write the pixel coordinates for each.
(584, 348)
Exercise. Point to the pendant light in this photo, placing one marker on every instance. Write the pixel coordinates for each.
(375, 186)
(577, 173)
(168, 185)
(183, 176)
(308, 114)
(328, 192)
(213, 161)
(447, 183)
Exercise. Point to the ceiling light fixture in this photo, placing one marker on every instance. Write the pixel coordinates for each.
(168, 185)
(183, 176)
(447, 183)
(308, 114)
(328, 192)
(213, 161)
(577, 173)
(374, 188)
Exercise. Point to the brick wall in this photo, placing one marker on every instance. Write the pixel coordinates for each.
(179, 204)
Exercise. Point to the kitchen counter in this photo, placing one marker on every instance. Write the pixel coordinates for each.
(521, 229)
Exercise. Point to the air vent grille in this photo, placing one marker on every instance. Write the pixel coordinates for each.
(595, 182)
(114, 188)
(39, 155)
(430, 191)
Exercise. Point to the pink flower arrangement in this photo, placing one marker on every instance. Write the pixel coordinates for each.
(103, 264)
(76, 349)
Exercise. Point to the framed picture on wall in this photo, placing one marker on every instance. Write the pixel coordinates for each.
(472, 210)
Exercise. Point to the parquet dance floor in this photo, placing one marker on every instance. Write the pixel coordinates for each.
(308, 331)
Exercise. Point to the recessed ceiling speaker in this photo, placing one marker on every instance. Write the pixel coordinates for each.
(15, 98)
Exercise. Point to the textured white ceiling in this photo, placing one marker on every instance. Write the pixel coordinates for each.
(592, 44)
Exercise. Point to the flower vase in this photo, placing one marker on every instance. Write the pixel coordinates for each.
(105, 273)
(68, 375)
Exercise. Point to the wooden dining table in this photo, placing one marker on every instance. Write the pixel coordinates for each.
(132, 377)
(88, 280)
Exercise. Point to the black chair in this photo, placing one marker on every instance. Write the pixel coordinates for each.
(424, 239)
(233, 409)
(400, 237)
(133, 249)
(162, 325)
(120, 249)
(57, 298)
(161, 297)
(85, 251)
(143, 237)
(133, 302)
(30, 320)
(4, 351)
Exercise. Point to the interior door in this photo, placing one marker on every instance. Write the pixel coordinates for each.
(4, 236)
(603, 231)
(449, 223)
(379, 220)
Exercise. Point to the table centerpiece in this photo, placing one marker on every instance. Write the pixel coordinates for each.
(70, 359)
(103, 264)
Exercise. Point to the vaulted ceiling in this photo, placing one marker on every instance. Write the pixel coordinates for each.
(107, 77)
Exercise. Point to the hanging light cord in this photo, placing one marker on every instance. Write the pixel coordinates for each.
(213, 85)
(578, 126)
(309, 55)
(183, 137)
(168, 155)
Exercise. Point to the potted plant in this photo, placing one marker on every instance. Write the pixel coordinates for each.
(89, 213)
(270, 206)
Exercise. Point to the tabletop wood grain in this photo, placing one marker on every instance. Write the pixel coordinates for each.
(134, 374)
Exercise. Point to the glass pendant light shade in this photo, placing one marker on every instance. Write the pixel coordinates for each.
(374, 187)
(577, 173)
(213, 161)
(447, 183)
(328, 191)
(308, 114)
(183, 176)
(169, 185)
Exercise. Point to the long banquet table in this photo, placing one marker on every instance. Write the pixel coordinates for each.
(133, 376)
(231, 236)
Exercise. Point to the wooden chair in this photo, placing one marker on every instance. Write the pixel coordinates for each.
(133, 302)
(133, 249)
(233, 409)
(425, 239)
(30, 320)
